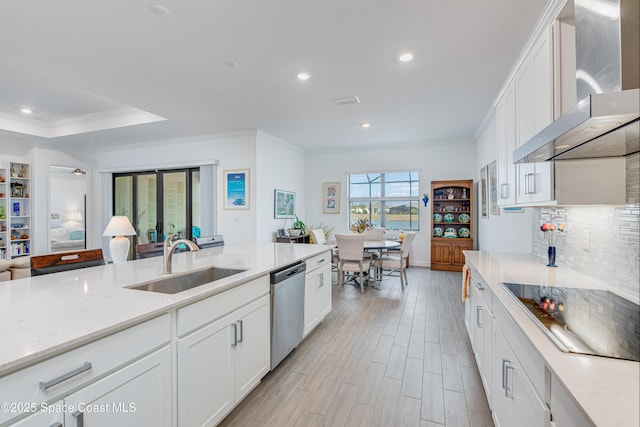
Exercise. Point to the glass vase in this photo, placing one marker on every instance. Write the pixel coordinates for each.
(552, 256)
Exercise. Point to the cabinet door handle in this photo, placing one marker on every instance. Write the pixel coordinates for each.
(56, 424)
(533, 183)
(478, 310)
(320, 261)
(504, 191)
(234, 342)
(320, 280)
(508, 390)
(504, 376)
(79, 416)
(44, 385)
(479, 286)
(241, 331)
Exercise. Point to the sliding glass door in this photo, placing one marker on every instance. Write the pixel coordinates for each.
(159, 203)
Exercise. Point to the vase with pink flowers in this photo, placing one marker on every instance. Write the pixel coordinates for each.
(551, 233)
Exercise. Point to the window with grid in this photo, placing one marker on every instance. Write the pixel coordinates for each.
(386, 199)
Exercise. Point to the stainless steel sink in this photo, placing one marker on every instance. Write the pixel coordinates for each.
(181, 282)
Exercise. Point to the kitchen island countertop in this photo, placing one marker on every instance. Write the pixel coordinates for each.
(607, 390)
(43, 316)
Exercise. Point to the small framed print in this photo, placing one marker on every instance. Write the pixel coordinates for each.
(236, 189)
(284, 204)
(281, 232)
(493, 189)
(484, 202)
(331, 197)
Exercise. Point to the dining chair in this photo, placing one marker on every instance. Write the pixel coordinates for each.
(351, 258)
(319, 239)
(209, 241)
(149, 250)
(398, 262)
(63, 261)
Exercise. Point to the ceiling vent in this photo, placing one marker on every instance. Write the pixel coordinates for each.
(347, 101)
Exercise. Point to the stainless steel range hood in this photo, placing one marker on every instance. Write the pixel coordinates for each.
(605, 122)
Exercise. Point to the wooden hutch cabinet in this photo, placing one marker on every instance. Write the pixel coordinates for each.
(452, 223)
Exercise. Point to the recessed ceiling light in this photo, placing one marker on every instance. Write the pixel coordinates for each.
(160, 10)
(366, 125)
(232, 64)
(406, 57)
(303, 76)
(562, 147)
(26, 110)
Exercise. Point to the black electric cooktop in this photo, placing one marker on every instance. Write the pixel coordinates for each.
(585, 321)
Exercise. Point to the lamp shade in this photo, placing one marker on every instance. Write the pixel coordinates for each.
(119, 226)
(73, 216)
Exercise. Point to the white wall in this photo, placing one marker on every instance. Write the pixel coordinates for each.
(447, 160)
(507, 232)
(231, 151)
(279, 166)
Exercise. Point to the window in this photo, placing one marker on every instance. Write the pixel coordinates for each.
(159, 203)
(386, 199)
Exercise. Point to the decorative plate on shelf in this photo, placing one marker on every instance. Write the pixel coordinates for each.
(464, 232)
(464, 218)
(449, 217)
(450, 232)
(437, 232)
(437, 217)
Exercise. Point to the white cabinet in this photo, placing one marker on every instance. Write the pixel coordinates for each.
(138, 394)
(564, 407)
(506, 144)
(317, 291)
(534, 111)
(222, 362)
(133, 365)
(515, 401)
(49, 416)
(479, 322)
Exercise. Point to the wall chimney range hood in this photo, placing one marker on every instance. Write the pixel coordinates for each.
(605, 122)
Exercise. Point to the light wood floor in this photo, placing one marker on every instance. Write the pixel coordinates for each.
(385, 358)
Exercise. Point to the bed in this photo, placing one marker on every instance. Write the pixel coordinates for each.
(66, 236)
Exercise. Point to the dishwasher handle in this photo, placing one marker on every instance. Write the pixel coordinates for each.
(287, 272)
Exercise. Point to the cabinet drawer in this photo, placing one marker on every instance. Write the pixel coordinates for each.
(54, 377)
(206, 311)
(318, 261)
(481, 289)
(530, 360)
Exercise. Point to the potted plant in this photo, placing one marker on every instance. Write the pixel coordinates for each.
(298, 228)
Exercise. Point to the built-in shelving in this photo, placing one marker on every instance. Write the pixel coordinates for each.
(18, 222)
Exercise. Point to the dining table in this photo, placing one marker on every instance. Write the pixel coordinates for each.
(370, 246)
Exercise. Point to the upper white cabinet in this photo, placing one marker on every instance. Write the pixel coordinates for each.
(506, 140)
(534, 111)
(541, 90)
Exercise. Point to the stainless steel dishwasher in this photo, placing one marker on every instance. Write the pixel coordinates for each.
(287, 310)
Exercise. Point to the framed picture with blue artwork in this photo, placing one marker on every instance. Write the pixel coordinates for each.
(236, 189)
(284, 204)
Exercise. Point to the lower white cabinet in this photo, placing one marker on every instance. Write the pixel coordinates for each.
(317, 293)
(514, 401)
(138, 394)
(222, 362)
(49, 418)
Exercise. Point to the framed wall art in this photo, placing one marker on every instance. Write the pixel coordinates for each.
(331, 197)
(236, 189)
(484, 208)
(284, 204)
(493, 189)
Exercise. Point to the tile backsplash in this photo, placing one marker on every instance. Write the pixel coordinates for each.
(599, 241)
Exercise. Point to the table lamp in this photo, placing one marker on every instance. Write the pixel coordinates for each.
(119, 226)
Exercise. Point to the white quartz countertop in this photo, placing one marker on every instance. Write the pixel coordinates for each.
(46, 315)
(607, 390)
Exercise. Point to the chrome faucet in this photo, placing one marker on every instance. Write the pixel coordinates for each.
(170, 248)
